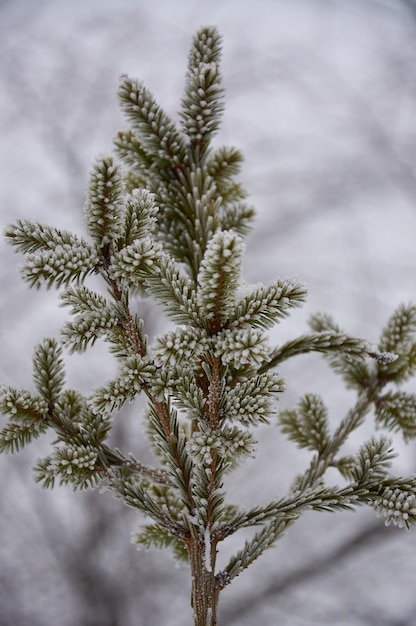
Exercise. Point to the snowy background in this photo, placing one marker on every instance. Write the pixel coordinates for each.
(321, 99)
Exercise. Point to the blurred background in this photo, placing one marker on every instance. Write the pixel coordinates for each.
(321, 99)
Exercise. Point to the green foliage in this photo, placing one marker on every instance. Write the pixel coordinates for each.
(170, 227)
(308, 425)
(83, 300)
(252, 550)
(396, 410)
(14, 436)
(55, 257)
(251, 401)
(48, 370)
(241, 347)
(136, 374)
(373, 460)
(193, 185)
(103, 214)
(264, 306)
(325, 342)
(202, 104)
(156, 536)
(88, 327)
(140, 214)
(399, 337)
(157, 134)
(228, 443)
(134, 262)
(22, 405)
(218, 277)
(72, 464)
(175, 291)
(397, 503)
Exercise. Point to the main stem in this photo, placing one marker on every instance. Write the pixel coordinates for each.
(205, 592)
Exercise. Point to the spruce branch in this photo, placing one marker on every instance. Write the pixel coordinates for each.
(308, 424)
(396, 411)
(157, 536)
(241, 347)
(184, 346)
(252, 550)
(139, 219)
(397, 503)
(218, 278)
(329, 499)
(324, 342)
(399, 330)
(55, 257)
(14, 437)
(170, 444)
(265, 306)
(131, 151)
(177, 293)
(224, 163)
(228, 443)
(171, 229)
(136, 493)
(187, 392)
(103, 205)
(252, 401)
(133, 263)
(155, 129)
(88, 327)
(48, 371)
(81, 299)
(236, 215)
(327, 455)
(22, 405)
(373, 461)
(202, 104)
(70, 464)
(135, 375)
(205, 48)
(28, 237)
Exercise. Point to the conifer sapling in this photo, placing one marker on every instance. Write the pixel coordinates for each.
(167, 221)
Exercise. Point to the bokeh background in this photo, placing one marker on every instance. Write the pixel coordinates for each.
(321, 99)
